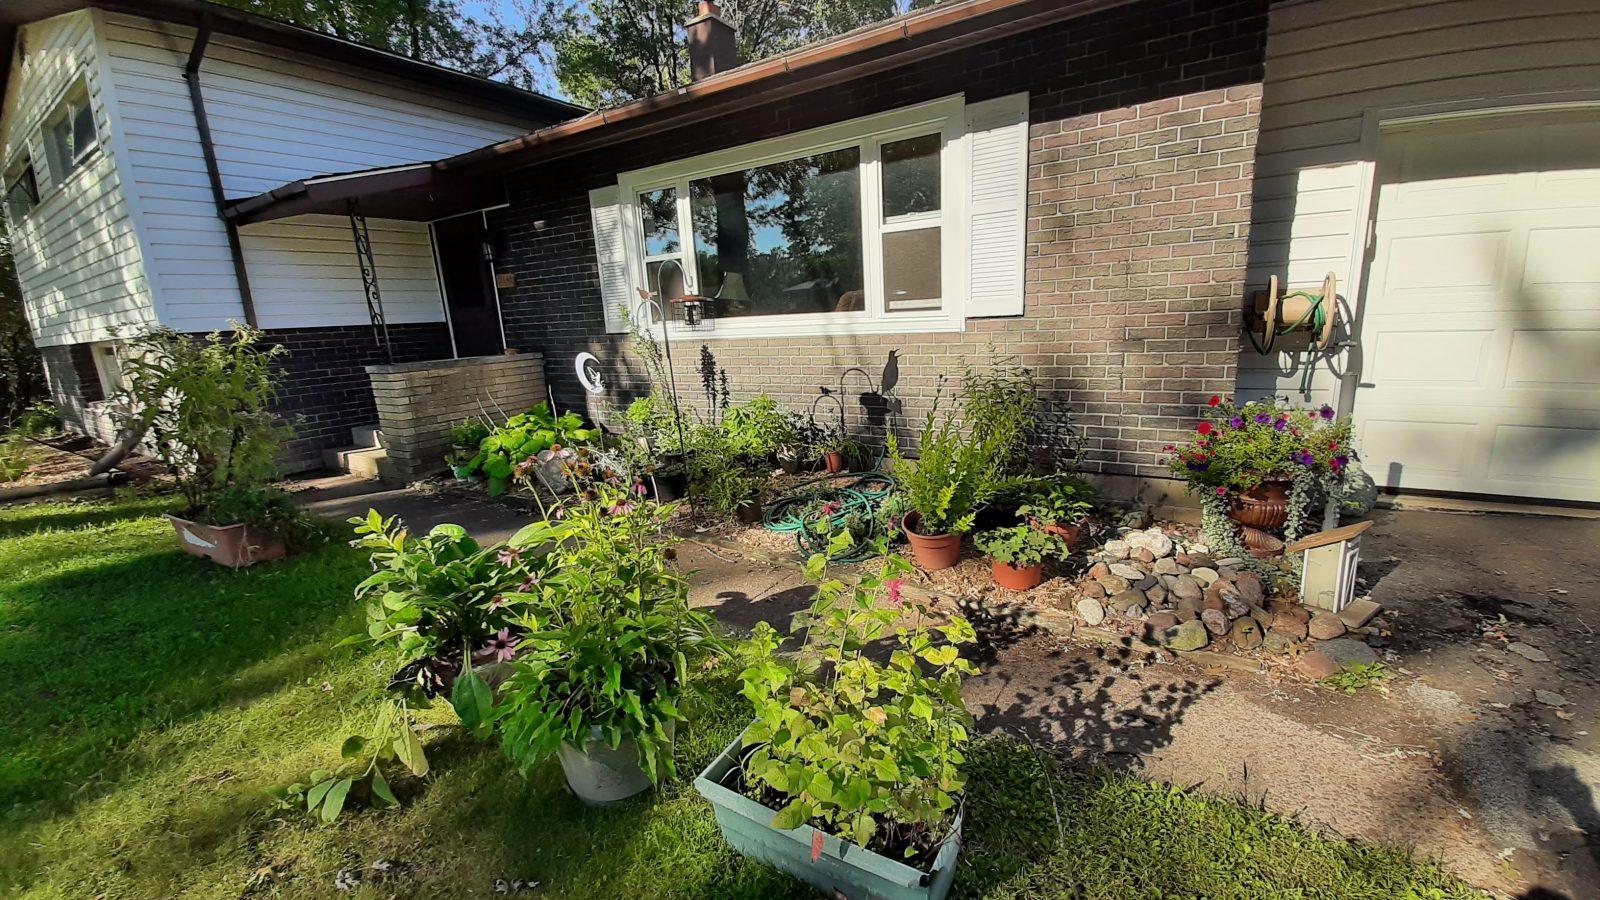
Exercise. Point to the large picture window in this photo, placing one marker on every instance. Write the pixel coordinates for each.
(843, 226)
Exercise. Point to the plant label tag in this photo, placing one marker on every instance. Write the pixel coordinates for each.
(816, 844)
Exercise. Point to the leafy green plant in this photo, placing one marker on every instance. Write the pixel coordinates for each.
(608, 637)
(1239, 447)
(266, 509)
(1002, 404)
(728, 488)
(757, 429)
(469, 433)
(1359, 676)
(868, 749)
(13, 459)
(440, 596)
(1061, 500)
(39, 419)
(1019, 545)
(393, 738)
(954, 475)
(523, 437)
(208, 404)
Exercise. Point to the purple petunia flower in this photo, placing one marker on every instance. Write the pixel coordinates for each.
(1326, 411)
(1196, 465)
(1340, 461)
(1280, 425)
(1236, 422)
(1304, 457)
(1262, 418)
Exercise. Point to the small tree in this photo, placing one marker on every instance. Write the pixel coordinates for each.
(207, 404)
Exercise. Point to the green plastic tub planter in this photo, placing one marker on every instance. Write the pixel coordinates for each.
(842, 869)
(601, 776)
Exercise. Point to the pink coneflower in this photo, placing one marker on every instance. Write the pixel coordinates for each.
(498, 602)
(621, 508)
(508, 556)
(502, 647)
(528, 584)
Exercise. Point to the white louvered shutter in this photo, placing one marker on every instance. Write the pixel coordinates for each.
(611, 252)
(997, 133)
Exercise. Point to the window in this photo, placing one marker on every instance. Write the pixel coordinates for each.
(848, 225)
(69, 134)
(108, 366)
(22, 190)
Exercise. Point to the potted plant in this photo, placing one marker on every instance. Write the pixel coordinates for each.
(468, 434)
(951, 479)
(1059, 506)
(850, 776)
(205, 406)
(754, 432)
(732, 491)
(1017, 554)
(1249, 456)
(598, 678)
(831, 447)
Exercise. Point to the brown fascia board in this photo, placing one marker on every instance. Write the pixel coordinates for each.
(920, 34)
(417, 192)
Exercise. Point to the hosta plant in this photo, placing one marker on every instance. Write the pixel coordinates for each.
(523, 437)
(1020, 546)
(860, 746)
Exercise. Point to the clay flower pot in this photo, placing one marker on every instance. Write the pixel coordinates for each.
(833, 461)
(1265, 506)
(234, 546)
(1068, 533)
(1017, 578)
(932, 551)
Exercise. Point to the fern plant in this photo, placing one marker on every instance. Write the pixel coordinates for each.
(954, 475)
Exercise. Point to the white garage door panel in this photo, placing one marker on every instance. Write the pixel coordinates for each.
(1481, 327)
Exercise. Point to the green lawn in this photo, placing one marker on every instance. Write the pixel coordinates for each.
(149, 700)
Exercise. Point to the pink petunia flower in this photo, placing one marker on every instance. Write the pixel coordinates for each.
(1222, 491)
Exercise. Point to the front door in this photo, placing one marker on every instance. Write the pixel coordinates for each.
(466, 272)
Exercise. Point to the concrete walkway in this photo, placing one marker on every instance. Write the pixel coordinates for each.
(1458, 761)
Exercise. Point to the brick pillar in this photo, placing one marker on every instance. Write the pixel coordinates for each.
(418, 402)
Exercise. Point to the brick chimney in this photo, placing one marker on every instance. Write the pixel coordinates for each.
(713, 44)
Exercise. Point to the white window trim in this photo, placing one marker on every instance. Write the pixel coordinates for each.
(70, 165)
(109, 371)
(946, 115)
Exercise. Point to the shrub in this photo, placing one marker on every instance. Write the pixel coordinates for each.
(1061, 500)
(868, 749)
(1019, 545)
(469, 433)
(757, 429)
(1239, 447)
(954, 475)
(13, 459)
(40, 419)
(1002, 405)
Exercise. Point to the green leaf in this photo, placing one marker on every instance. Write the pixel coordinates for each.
(353, 745)
(472, 699)
(334, 803)
(791, 816)
(380, 789)
(409, 749)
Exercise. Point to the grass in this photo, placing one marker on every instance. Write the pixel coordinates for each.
(149, 700)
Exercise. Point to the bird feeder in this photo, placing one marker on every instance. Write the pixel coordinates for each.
(1328, 570)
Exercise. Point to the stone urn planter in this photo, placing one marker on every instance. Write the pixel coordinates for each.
(832, 865)
(234, 546)
(932, 551)
(601, 776)
(1017, 578)
(1265, 506)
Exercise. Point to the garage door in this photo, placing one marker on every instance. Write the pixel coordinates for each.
(1480, 335)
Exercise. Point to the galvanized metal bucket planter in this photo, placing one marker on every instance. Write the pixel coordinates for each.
(842, 868)
(601, 776)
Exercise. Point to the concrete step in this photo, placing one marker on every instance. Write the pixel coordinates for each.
(366, 436)
(362, 461)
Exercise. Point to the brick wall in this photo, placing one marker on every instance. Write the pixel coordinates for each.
(1143, 123)
(324, 389)
(74, 387)
(418, 402)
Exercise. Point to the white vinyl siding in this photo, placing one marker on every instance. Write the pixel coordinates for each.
(275, 117)
(77, 253)
(1332, 62)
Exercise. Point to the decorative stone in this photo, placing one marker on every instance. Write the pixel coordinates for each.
(1246, 634)
(1157, 623)
(1348, 652)
(1142, 554)
(1230, 561)
(1099, 570)
(1235, 608)
(1138, 517)
(1168, 565)
(1124, 570)
(1183, 559)
(1204, 575)
(1317, 665)
(1249, 587)
(1186, 636)
(1359, 613)
(1187, 587)
(1215, 621)
(1093, 590)
(1325, 626)
(1154, 541)
(1272, 642)
(1550, 698)
(1147, 582)
(1186, 610)
(1091, 611)
(1157, 593)
(1528, 652)
(1114, 584)
(1288, 626)
(1117, 549)
(1125, 601)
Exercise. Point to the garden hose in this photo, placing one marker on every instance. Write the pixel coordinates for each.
(863, 496)
(1315, 315)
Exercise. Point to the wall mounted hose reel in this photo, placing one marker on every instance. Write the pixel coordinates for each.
(1306, 318)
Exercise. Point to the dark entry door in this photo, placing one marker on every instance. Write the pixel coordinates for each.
(467, 272)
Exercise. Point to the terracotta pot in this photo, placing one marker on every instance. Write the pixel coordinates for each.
(1265, 506)
(234, 546)
(833, 461)
(1017, 578)
(932, 551)
(1068, 533)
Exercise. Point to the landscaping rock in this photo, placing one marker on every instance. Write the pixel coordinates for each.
(1550, 698)
(1249, 586)
(1289, 626)
(1093, 590)
(1317, 665)
(1117, 549)
(1347, 652)
(1359, 613)
(1168, 565)
(1099, 570)
(1114, 584)
(1230, 561)
(1187, 587)
(1186, 636)
(1528, 652)
(1246, 634)
(1142, 554)
(1325, 626)
(1200, 559)
(1091, 611)
(1186, 610)
(1138, 517)
(1125, 601)
(1235, 608)
(1154, 541)
(1262, 617)
(1215, 620)
(1157, 593)
(1147, 582)
(1130, 572)
(1204, 575)
(1156, 624)
(1273, 642)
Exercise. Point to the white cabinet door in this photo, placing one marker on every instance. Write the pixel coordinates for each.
(1481, 330)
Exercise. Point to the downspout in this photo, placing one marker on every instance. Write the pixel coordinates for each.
(197, 102)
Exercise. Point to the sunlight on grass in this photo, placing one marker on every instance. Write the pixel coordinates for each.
(149, 700)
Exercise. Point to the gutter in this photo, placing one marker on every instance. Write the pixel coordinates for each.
(197, 103)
